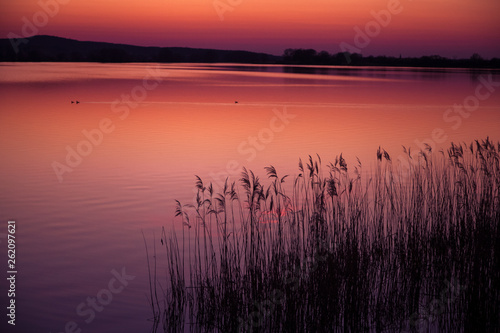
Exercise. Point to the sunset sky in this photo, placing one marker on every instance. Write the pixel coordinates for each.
(451, 28)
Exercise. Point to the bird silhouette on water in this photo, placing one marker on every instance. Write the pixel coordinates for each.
(73, 102)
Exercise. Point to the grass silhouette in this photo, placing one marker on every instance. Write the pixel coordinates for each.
(412, 247)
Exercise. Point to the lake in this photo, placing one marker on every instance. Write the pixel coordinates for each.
(94, 155)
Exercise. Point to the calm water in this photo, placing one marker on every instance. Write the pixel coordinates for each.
(81, 196)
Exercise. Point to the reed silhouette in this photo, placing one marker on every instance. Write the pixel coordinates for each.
(412, 247)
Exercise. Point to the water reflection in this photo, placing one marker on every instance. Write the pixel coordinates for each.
(75, 232)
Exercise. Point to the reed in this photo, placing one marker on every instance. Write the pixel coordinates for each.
(413, 247)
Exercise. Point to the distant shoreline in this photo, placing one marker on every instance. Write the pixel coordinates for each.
(300, 68)
(57, 49)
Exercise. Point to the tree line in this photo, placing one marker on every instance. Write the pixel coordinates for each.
(312, 57)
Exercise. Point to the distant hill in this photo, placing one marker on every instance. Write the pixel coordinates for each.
(50, 48)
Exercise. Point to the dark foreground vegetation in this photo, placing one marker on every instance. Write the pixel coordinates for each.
(413, 247)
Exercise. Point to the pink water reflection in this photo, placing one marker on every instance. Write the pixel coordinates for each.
(81, 228)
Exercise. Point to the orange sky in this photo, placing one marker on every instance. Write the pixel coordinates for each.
(422, 27)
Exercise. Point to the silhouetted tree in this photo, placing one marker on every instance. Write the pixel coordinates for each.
(299, 56)
(476, 58)
(323, 58)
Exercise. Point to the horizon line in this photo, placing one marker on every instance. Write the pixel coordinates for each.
(261, 52)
